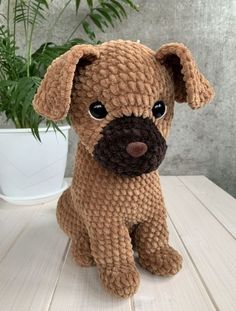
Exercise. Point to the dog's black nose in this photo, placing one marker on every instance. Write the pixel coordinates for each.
(136, 149)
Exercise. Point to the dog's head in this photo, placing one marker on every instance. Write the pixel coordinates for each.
(120, 97)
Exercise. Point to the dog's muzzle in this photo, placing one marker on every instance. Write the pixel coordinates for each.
(130, 146)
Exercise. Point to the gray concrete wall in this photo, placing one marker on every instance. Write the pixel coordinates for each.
(203, 141)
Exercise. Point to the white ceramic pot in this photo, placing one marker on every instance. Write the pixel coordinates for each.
(29, 168)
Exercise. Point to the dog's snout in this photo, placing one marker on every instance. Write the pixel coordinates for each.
(130, 146)
(136, 149)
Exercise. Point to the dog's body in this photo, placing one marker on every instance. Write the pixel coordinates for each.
(120, 96)
(109, 206)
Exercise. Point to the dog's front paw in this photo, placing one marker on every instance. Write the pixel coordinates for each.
(120, 281)
(166, 261)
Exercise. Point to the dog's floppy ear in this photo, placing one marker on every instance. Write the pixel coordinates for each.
(53, 96)
(190, 85)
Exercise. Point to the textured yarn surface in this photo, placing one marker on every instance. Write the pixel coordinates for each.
(113, 195)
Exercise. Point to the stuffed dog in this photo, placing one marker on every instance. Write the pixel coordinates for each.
(120, 98)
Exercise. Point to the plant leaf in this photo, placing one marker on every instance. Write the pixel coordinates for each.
(113, 9)
(122, 10)
(96, 20)
(77, 4)
(88, 30)
(105, 12)
(6, 83)
(48, 51)
(10, 64)
(30, 12)
(131, 4)
(1, 14)
(90, 4)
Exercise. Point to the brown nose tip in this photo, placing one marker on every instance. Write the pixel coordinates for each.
(136, 149)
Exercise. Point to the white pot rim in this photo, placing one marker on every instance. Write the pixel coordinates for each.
(35, 199)
(28, 130)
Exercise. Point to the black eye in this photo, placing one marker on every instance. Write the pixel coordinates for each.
(97, 110)
(159, 109)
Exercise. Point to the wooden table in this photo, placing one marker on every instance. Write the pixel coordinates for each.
(37, 272)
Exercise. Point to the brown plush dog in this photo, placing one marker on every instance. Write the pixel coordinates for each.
(120, 97)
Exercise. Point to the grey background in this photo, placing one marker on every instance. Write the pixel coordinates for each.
(202, 141)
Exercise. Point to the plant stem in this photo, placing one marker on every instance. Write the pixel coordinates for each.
(28, 47)
(31, 34)
(16, 121)
(8, 16)
(24, 20)
(14, 22)
(14, 37)
(77, 26)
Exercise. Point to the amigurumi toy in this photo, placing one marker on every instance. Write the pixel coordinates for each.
(120, 98)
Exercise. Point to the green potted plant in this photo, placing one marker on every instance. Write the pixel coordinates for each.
(33, 152)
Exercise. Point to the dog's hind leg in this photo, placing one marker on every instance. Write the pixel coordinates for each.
(72, 224)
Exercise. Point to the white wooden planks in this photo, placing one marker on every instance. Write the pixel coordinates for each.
(211, 248)
(13, 220)
(30, 269)
(218, 202)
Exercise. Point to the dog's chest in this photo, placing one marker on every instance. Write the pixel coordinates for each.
(98, 192)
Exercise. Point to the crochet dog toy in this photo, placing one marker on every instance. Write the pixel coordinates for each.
(120, 98)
